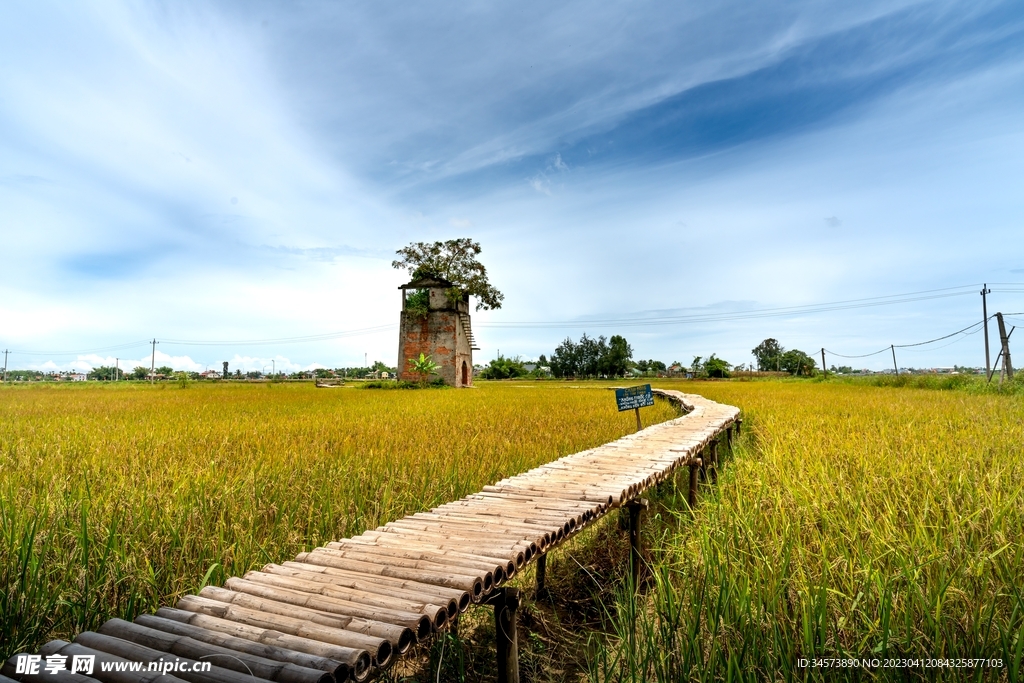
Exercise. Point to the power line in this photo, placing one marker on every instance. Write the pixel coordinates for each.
(742, 315)
(327, 336)
(963, 331)
(118, 347)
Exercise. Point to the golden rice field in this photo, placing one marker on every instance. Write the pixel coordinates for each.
(115, 499)
(852, 521)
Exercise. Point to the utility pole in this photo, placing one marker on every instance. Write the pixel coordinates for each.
(894, 366)
(6, 351)
(823, 361)
(1004, 339)
(984, 312)
(117, 369)
(152, 362)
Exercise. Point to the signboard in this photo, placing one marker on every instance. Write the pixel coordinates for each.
(634, 398)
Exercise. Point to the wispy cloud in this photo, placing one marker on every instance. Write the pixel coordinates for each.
(232, 170)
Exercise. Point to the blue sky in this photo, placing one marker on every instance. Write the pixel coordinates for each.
(244, 171)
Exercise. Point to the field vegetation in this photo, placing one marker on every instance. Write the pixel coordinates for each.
(853, 520)
(115, 499)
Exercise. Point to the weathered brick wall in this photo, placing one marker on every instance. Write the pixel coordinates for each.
(438, 335)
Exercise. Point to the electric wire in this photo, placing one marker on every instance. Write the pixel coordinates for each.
(849, 304)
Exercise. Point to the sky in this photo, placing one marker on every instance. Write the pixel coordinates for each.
(232, 179)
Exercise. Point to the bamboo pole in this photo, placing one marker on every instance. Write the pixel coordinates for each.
(340, 670)
(506, 568)
(511, 526)
(71, 649)
(460, 541)
(394, 563)
(418, 623)
(515, 526)
(354, 657)
(438, 614)
(375, 583)
(511, 512)
(470, 532)
(380, 649)
(508, 518)
(406, 558)
(473, 585)
(400, 636)
(134, 652)
(236, 660)
(516, 558)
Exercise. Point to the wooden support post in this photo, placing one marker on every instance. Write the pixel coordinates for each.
(506, 605)
(639, 425)
(714, 461)
(691, 496)
(739, 425)
(542, 572)
(635, 507)
(728, 436)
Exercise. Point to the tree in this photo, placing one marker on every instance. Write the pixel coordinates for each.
(565, 359)
(716, 367)
(796, 362)
(591, 357)
(140, 372)
(454, 261)
(616, 361)
(424, 366)
(768, 354)
(504, 368)
(164, 370)
(105, 372)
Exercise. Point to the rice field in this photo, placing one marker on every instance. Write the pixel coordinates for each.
(852, 521)
(116, 499)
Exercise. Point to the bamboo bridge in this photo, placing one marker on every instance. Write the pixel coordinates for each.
(351, 609)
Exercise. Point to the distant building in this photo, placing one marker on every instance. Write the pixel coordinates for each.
(77, 377)
(438, 328)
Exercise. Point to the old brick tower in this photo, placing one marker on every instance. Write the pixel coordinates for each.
(434, 325)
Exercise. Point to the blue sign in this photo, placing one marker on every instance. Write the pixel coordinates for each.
(631, 398)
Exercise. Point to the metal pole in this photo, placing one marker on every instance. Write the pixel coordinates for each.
(984, 312)
(894, 360)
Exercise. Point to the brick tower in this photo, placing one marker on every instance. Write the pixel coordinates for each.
(434, 325)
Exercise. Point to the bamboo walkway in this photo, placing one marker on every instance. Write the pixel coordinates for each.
(352, 608)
